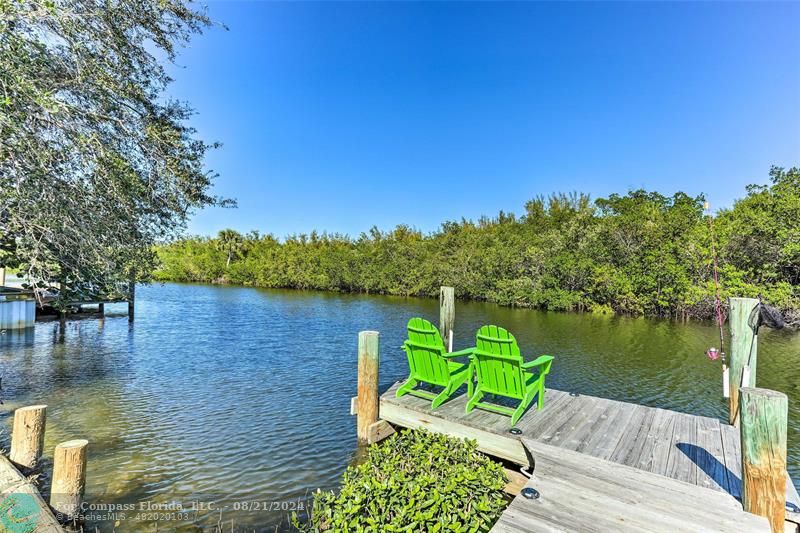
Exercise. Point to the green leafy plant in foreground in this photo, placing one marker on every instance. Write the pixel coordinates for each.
(414, 481)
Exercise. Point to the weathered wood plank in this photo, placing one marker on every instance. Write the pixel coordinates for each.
(21, 506)
(655, 455)
(354, 406)
(378, 431)
(682, 464)
(516, 481)
(733, 459)
(576, 412)
(554, 402)
(616, 497)
(694, 449)
(504, 446)
(711, 470)
(629, 448)
(608, 432)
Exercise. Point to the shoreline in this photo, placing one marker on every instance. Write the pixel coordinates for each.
(791, 316)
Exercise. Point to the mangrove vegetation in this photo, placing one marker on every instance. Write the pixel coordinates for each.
(641, 253)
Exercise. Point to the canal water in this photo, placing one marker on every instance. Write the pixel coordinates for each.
(229, 405)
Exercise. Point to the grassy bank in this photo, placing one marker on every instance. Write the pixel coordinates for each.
(642, 254)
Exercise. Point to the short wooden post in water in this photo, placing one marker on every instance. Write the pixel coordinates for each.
(101, 309)
(27, 437)
(744, 352)
(131, 298)
(69, 477)
(368, 368)
(62, 315)
(447, 315)
(764, 416)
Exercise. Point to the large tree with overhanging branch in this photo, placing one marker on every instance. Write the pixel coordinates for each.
(97, 164)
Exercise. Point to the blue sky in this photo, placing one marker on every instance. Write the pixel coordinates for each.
(338, 117)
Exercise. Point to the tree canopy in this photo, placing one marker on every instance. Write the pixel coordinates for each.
(638, 253)
(97, 164)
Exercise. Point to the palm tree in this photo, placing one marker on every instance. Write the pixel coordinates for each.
(229, 241)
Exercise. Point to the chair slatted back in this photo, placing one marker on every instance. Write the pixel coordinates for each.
(498, 362)
(425, 351)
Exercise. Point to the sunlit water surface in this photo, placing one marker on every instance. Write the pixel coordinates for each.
(228, 396)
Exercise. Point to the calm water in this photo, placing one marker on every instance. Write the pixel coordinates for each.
(225, 395)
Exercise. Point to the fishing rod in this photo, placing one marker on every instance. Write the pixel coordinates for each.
(712, 352)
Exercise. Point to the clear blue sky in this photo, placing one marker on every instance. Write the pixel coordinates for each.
(341, 116)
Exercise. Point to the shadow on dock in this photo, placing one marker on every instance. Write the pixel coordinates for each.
(713, 468)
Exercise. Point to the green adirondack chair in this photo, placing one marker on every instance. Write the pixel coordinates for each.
(430, 363)
(500, 370)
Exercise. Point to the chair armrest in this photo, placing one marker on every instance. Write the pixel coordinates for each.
(539, 361)
(460, 353)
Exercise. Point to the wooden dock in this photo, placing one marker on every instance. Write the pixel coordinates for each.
(23, 508)
(581, 493)
(19, 308)
(607, 464)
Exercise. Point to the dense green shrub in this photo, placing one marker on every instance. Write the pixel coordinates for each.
(414, 481)
(641, 253)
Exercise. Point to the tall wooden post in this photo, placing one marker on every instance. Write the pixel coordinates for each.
(131, 297)
(2, 276)
(62, 316)
(27, 437)
(69, 477)
(368, 369)
(764, 416)
(744, 352)
(447, 315)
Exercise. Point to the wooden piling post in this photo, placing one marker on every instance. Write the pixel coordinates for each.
(763, 429)
(447, 315)
(368, 368)
(744, 352)
(101, 309)
(69, 477)
(27, 437)
(131, 298)
(62, 315)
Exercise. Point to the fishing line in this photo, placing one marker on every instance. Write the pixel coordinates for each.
(712, 352)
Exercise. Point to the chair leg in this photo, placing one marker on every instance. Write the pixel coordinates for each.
(406, 387)
(520, 410)
(474, 399)
(540, 397)
(442, 396)
(470, 383)
(523, 406)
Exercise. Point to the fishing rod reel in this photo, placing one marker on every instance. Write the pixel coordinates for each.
(713, 353)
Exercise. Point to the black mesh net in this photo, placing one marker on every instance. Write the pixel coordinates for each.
(766, 315)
